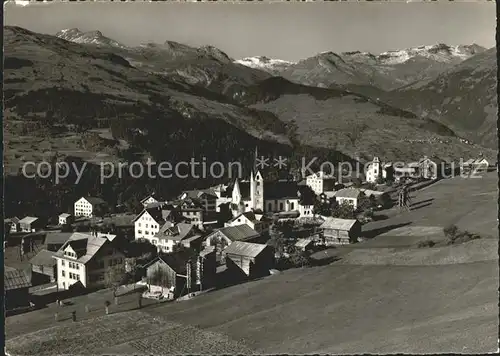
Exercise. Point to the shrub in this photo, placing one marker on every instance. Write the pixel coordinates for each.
(451, 232)
(426, 243)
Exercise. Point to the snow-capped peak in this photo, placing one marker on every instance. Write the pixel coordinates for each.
(91, 37)
(438, 52)
(264, 63)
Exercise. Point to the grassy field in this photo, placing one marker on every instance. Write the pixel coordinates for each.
(376, 299)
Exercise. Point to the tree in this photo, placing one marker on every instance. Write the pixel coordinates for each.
(451, 232)
(343, 211)
(299, 258)
(277, 241)
(322, 208)
(114, 277)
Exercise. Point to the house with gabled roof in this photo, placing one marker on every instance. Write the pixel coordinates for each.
(43, 267)
(177, 273)
(174, 235)
(206, 198)
(256, 221)
(31, 224)
(250, 260)
(12, 224)
(16, 288)
(151, 219)
(350, 196)
(223, 237)
(480, 164)
(86, 258)
(89, 207)
(151, 198)
(340, 231)
(65, 218)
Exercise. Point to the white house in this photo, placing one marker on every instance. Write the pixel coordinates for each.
(30, 224)
(306, 211)
(374, 171)
(89, 206)
(149, 200)
(255, 221)
(475, 165)
(178, 234)
(320, 182)
(148, 223)
(86, 259)
(350, 196)
(65, 218)
(13, 223)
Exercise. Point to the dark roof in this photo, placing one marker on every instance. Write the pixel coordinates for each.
(95, 200)
(244, 189)
(57, 238)
(239, 232)
(14, 220)
(15, 279)
(250, 215)
(196, 194)
(44, 258)
(158, 213)
(175, 260)
(152, 195)
(280, 190)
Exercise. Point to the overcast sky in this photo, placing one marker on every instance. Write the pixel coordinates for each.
(289, 31)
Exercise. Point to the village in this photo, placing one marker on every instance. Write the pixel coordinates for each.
(204, 239)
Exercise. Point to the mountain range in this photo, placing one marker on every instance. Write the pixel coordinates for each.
(173, 99)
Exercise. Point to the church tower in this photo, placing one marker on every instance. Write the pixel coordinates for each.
(236, 194)
(257, 191)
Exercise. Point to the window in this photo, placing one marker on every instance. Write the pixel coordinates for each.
(139, 231)
(77, 277)
(63, 273)
(292, 205)
(77, 266)
(62, 262)
(139, 224)
(146, 232)
(146, 225)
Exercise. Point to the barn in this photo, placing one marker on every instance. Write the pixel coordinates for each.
(340, 231)
(16, 287)
(178, 273)
(249, 259)
(43, 267)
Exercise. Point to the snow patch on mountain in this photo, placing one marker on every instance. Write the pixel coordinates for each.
(91, 37)
(438, 52)
(262, 62)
